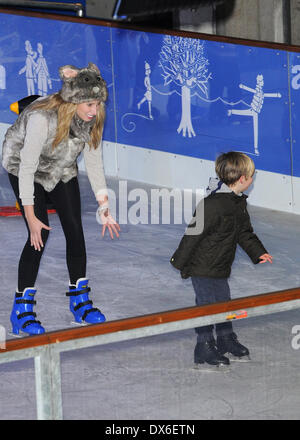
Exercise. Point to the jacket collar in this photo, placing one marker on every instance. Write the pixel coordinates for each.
(216, 186)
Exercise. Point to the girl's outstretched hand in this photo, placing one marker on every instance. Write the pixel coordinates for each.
(110, 224)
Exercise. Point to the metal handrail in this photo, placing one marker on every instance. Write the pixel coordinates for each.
(196, 312)
(76, 7)
(46, 348)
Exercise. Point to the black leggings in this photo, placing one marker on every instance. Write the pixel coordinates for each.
(65, 198)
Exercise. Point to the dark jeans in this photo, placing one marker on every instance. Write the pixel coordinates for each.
(65, 198)
(211, 290)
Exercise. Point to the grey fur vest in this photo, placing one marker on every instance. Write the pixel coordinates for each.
(55, 164)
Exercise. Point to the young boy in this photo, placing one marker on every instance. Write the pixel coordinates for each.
(206, 254)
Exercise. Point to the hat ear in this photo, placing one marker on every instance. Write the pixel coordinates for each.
(68, 72)
(93, 66)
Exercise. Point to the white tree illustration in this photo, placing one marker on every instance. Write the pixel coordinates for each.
(182, 61)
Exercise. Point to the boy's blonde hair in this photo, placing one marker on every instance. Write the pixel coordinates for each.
(232, 165)
(65, 113)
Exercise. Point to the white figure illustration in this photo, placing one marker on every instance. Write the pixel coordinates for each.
(2, 77)
(148, 95)
(41, 70)
(255, 106)
(29, 68)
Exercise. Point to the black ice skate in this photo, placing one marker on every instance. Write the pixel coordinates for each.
(207, 355)
(229, 345)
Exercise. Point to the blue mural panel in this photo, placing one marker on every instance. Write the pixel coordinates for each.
(294, 63)
(199, 98)
(179, 95)
(32, 50)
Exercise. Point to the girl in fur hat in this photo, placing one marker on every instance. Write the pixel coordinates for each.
(40, 153)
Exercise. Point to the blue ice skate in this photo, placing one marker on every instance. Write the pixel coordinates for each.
(22, 316)
(81, 306)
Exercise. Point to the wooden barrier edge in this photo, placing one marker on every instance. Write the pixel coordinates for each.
(151, 319)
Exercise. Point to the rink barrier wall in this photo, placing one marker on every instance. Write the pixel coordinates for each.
(163, 151)
(46, 348)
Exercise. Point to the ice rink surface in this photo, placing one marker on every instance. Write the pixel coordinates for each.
(153, 378)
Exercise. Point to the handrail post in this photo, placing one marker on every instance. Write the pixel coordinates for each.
(48, 384)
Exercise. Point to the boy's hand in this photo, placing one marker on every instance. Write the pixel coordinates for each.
(266, 257)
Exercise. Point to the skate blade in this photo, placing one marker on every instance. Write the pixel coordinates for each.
(80, 324)
(206, 368)
(233, 358)
(20, 335)
(23, 334)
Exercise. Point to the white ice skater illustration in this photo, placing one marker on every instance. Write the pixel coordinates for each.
(148, 95)
(29, 68)
(255, 106)
(41, 70)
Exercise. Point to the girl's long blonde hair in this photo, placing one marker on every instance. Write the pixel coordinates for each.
(65, 114)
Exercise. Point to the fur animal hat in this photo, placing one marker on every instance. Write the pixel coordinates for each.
(82, 85)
